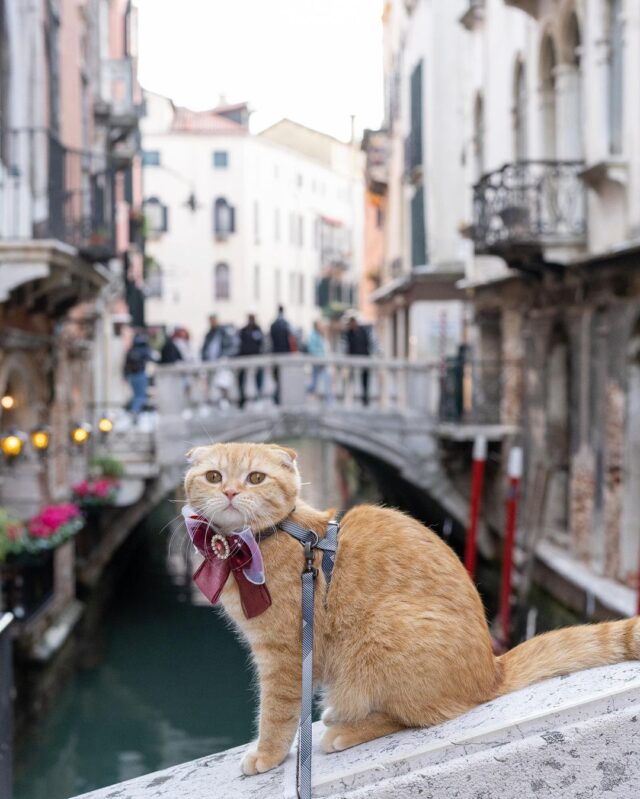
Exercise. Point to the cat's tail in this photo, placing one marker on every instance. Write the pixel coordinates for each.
(565, 651)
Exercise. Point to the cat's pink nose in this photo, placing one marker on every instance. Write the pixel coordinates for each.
(230, 493)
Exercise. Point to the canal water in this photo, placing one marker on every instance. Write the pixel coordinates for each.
(170, 682)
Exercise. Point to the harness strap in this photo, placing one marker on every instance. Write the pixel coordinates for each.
(328, 545)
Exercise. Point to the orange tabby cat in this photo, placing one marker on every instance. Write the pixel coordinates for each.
(402, 640)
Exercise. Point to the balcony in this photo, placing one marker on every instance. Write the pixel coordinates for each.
(118, 106)
(528, 207)
(48, 191)
(376, 147)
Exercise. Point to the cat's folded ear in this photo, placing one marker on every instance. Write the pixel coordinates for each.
(288, 455)
(195, 453)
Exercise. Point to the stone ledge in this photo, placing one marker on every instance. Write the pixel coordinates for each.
(575, 736)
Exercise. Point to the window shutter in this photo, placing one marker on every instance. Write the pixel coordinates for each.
(416, 116)
(418, 233)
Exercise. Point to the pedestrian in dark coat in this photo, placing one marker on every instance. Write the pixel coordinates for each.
(251, 343)
(281, 341)
(358, 342)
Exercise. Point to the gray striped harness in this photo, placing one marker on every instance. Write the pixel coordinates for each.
(328, 546)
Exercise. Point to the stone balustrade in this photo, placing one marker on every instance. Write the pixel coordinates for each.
(574, 736)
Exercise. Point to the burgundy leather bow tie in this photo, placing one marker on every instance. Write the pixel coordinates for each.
(224, 555)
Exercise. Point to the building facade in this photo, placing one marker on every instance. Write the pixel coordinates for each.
(554, 119)
(420, 308)
(241, 222)
(70, 249)
(520, 122)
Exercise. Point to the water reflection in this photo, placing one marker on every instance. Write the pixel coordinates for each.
(172, 683)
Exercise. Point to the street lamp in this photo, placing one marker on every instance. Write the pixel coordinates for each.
(40, 439)
(81, 434)
(105, 425)
(8, 402)
(12, 444)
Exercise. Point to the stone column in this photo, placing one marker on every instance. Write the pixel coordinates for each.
(512, 352)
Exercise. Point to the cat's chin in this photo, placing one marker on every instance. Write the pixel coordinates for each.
(228, 520)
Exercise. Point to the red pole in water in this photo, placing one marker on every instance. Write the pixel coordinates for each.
(515, 473)
(477, 479)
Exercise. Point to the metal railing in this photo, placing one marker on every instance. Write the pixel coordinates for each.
(49, 191)
(530, 204)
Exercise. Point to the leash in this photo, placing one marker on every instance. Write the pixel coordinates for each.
(328, 545)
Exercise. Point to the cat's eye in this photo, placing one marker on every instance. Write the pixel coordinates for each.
(213, 476)
(255, 478)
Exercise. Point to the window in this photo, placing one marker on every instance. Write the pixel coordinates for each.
(299, 180)
(221, 282)
(220, 159)
(292, 287)
(292, 228)
(379, 217)
(224, 218)
(418, 233)
(548, 63)
(150, 158)
(616, 76)
(301, 288)
(157, 215)
(316, 233)
(256, 222)
(300, 230)
(276, 224)
(256, 282)
(415, 134)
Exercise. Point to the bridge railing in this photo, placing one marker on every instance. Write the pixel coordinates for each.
(298, 380)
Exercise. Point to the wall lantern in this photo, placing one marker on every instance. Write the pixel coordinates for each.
(12, 443)
(40, 438)
(81, 433)
(8, 402)
(105, 425)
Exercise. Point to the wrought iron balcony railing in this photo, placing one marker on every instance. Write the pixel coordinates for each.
(48, 191)
(530, 205)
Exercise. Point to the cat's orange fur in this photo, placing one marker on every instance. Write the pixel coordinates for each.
(402, 640)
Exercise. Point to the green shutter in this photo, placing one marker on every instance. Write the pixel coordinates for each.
(416, 116)
(418, 233)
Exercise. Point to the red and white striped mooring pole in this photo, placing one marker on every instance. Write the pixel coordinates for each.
(515, 473)
(477, 479)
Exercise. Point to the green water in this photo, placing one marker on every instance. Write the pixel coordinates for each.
(170, 682)
(173, 683)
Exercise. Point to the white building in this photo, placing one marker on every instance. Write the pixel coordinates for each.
(243, 222)
(420, 308)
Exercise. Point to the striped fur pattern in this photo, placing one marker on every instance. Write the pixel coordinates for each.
(402, 640)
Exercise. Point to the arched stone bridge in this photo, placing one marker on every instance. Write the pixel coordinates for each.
(389, 409)
(386, 408)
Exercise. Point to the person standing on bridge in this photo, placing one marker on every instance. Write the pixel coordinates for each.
(358, 341)
(251, 343)
(219, 344)
(282, 341)
(135, 372)
(317, 346)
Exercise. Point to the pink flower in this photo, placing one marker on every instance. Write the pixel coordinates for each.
(47, 522)
(81, 489)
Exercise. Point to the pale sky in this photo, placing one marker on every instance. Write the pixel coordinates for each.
(315, 61)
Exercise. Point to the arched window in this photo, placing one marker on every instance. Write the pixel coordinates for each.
(224, 221)
(156, 215)
(548, 93)
(478, 137)
(520, 142)
(616, 75)
(571, 94)
(221, 282)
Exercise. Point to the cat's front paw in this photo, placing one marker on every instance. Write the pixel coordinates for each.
(256, 762)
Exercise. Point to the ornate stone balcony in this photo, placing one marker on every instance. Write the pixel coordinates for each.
(527, 207)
